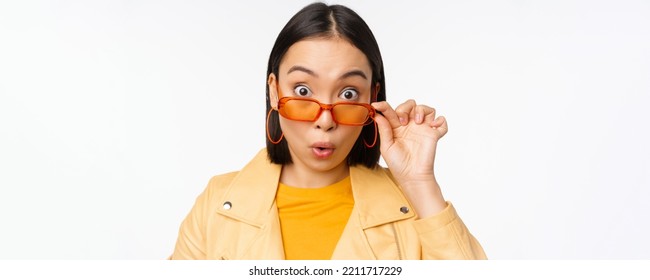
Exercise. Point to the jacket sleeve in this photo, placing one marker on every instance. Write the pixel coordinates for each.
(191, 242)
(445, 236)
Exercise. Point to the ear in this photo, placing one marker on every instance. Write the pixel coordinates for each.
(376, 92)
(273, 90)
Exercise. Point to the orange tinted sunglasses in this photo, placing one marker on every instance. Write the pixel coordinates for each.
(307, 109)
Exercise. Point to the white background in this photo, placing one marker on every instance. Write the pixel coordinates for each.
(115, 114)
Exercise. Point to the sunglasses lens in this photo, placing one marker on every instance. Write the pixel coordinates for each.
(307, 110)
(350, 114)
(300, 110)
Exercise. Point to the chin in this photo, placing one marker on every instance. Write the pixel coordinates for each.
(325, 164)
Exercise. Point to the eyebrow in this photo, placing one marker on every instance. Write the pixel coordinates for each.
(301, 69)
(352, 73)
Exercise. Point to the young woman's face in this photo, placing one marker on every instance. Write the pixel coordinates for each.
(329, 70)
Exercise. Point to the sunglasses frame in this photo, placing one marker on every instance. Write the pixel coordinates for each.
(371, 111)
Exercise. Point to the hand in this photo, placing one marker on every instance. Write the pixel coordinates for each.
(409, 137)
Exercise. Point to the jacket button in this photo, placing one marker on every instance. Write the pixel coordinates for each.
(227, 205)
(404, 209)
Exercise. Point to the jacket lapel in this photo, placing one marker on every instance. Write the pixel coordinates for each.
(251, 195)
(377, 199)
(377, 202)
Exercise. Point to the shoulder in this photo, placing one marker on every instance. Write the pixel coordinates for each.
(377, 173)
(218, 183)
(222, 179)
(207, 200)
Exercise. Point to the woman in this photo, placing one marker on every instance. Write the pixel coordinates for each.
(316, 191)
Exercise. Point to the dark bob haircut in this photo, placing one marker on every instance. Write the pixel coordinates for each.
(321, 20)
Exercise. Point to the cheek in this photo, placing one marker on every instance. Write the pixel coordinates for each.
(352, 133)
(296, 130)
(284, 126)
(293, 129)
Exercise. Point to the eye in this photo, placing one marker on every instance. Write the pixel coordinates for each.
(349, 94)
(302, 91)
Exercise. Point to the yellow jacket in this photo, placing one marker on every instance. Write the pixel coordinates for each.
(236, 218)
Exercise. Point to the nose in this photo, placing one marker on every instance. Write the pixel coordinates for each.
(325, 121)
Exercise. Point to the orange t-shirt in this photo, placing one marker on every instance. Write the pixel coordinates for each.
(312, 219)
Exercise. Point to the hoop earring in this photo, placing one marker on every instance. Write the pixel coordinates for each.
(268, 133)
(373, 141)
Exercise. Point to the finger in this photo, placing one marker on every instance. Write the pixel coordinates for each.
(388, 113)
(437, 122)
(385, 131)
(424, 114)
(440, 126)
(405, 111)
(429, 114)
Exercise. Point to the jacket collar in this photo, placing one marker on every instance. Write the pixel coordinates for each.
(251, 194)
(377, 197)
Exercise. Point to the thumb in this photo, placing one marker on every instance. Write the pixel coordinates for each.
(385, 131)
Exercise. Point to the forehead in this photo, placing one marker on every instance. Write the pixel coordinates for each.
(325, 56)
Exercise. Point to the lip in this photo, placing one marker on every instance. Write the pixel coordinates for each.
(322, 150)
(326, 145)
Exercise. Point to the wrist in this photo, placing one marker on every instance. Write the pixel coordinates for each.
(425, 196)
(427, 180)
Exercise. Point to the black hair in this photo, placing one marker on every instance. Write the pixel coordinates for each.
(321, 20)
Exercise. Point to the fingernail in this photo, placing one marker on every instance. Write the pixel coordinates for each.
(418, 118)
(402, 121)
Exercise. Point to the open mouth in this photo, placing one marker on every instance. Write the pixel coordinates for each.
(323, 150)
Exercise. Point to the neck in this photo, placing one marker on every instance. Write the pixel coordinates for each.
(302, 177)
